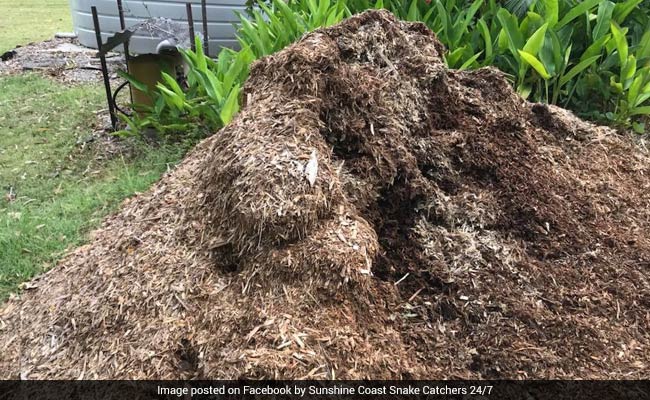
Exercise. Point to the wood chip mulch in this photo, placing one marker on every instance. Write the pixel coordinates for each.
(368, 214)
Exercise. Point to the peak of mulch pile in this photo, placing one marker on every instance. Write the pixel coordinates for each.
(369, 214)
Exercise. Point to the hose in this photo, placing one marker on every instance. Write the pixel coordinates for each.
(115, 94)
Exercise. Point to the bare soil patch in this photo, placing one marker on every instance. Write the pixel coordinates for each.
(61, 58)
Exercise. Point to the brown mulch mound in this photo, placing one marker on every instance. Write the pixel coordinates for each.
(369, 214)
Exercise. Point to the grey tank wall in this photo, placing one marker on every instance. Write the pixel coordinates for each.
(221, 17)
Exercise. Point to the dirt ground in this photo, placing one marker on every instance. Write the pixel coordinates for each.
(368, 214)
(61, 58)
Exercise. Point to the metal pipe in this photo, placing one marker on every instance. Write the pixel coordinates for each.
(116, 93)
(206, 38)
(102, 59)
(190, 24)
(120, 11)
(127, 56)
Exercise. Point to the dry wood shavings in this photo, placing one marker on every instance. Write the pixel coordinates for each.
(368, 214)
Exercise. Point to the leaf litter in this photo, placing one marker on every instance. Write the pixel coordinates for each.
(368, 214)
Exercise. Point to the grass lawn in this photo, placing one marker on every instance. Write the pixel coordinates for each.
(26, 21)
(52, 192)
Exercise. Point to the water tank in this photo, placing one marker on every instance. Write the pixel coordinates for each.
(220, 15)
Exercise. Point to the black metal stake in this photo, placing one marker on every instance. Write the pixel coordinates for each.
(120, 11)
(102, 59)
(206, 38)
(190, 24)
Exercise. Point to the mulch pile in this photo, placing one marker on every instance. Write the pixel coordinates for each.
(368, 214)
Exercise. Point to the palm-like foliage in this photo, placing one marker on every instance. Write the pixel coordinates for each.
(590, 55)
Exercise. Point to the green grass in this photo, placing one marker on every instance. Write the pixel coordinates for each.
(26, 21)
(61, 191)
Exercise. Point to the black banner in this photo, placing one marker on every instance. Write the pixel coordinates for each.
(370, 390)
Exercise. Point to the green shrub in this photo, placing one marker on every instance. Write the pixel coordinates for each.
(209, 102)
(273, 26)
(212, 97)
(592, 56)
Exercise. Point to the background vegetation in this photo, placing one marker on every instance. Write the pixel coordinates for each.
(591, 56)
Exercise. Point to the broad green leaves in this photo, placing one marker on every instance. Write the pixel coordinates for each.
(633, 83)
(588, 40)
(580, 9)
(534, 43)
(621, 42)
(272, 27)
(592, 55)
(535, 63)
(603, 19)
(577, 69)
(551, 9)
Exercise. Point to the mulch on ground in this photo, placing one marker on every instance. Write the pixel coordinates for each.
(63, 59)
(368, 214)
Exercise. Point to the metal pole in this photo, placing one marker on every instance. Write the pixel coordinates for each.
(120, 11)
(190, 23)
(206, 38)
(102, 59)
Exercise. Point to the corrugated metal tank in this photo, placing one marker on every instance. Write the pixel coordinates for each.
(220, 14)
